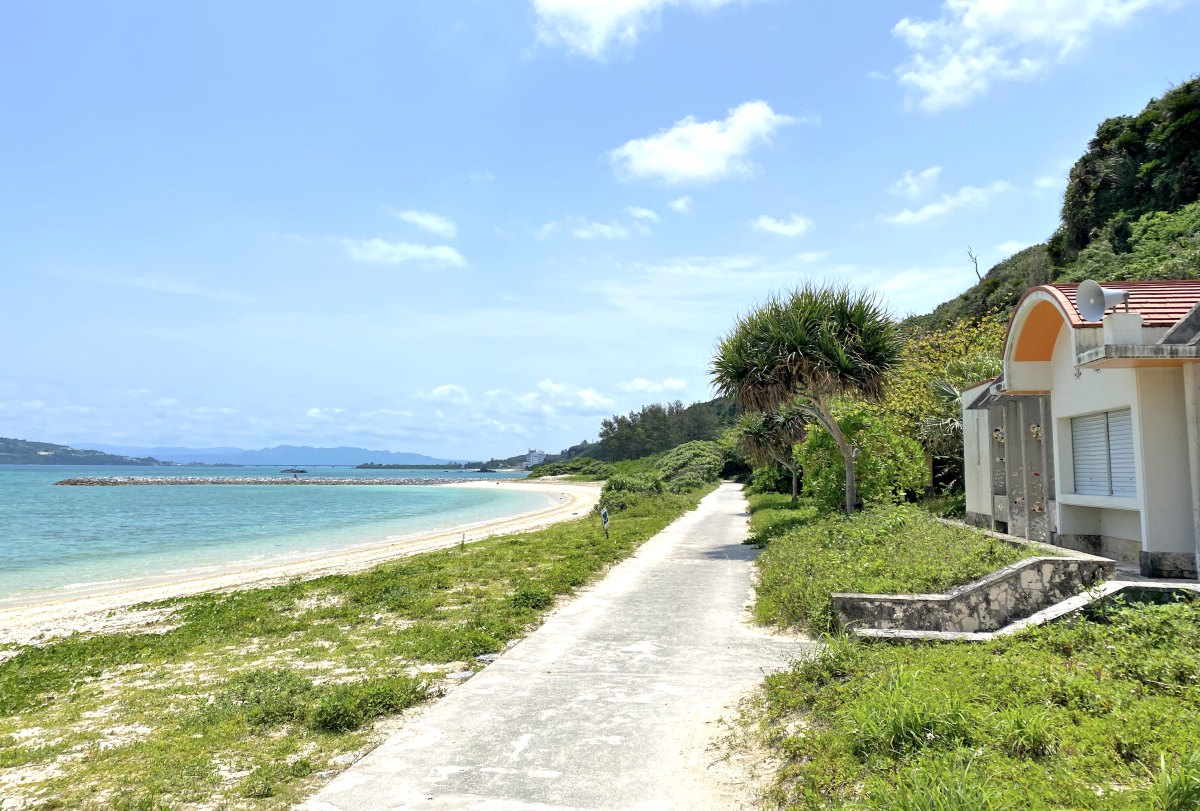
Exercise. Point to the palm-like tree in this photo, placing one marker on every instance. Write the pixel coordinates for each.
(770, 437)
(809, 347)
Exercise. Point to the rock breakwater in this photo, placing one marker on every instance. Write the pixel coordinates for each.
(119, 481)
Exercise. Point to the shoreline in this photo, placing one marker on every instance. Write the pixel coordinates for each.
(104, 607)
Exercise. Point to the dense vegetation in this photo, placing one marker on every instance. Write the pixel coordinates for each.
(1129, 212)
(23, 452)
(1095, 714)
(657, 427)
(1136, 165)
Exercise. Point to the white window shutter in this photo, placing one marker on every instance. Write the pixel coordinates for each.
(1120, 452)
(1102, 454)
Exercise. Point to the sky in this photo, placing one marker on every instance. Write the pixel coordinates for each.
(467, 228)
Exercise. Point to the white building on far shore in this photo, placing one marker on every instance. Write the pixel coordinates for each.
(534, 458)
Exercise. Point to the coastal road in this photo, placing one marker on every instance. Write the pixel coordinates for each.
(614, 703)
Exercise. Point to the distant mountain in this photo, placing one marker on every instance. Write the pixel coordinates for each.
(23, 452)
(279, 455)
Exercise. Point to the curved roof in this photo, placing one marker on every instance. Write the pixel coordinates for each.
(1160, 304)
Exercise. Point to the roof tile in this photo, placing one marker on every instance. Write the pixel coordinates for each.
(1160, 304)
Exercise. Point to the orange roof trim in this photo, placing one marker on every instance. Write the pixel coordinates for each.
(1160, 304)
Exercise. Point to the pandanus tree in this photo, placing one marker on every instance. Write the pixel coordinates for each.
(809, 347)
(770, 437)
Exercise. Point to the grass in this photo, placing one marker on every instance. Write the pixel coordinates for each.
(1096, 714)
(882, 550)
(253, 698)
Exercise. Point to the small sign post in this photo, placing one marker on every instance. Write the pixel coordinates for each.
(604, 520)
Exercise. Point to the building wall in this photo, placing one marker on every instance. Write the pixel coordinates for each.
(977, 462)
(1164, 470)
(1110, 526)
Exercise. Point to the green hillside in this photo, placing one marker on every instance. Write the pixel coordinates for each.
(1131, 211)
(23, 452)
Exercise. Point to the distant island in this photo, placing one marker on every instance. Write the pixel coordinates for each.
(24, 452)
(282, 455)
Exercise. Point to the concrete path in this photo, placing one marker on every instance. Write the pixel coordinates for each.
(611, 704)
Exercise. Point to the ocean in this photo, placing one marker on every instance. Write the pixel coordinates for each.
(61, 539)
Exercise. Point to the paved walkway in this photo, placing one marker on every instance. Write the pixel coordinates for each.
(610, 704)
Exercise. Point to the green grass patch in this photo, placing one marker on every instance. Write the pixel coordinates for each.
(894, 549)
(252, 694)
(1098, 714)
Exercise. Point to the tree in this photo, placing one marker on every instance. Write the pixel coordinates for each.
(889, 466)
(810, 346)
(771, 437)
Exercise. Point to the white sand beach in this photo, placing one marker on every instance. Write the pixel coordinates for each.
(106, 607)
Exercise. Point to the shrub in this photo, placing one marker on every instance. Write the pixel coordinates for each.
(691, 465)
(583, 467)
(268, 696)
(346, 707)
(623, 491)
(532, 597)
(888, 464)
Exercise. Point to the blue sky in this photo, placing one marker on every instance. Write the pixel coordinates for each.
(468, 228)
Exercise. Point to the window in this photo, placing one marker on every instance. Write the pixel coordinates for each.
(1102, 454)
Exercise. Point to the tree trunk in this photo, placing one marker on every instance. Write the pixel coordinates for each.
(848, 456)
(795, 492)
(848, 451)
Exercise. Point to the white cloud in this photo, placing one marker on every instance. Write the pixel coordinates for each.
(811, 257)
(450, 393)
(681, 205)
(591, 27)
(914, 186)
(433, 223)
(1009, 247)
(481, 177)
(975, 43)
(324, 414)
(600, 230)
(966, 197)
(698, 151)
(382, 252)
(654, 386)
(794, 226)
(639, 213)
(593, 399)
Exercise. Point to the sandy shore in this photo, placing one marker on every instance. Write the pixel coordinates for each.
(105, 608)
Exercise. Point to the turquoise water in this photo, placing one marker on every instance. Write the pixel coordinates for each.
(75, 537)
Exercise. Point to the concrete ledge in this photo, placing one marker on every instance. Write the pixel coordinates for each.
(988, 604)
(1070, 606)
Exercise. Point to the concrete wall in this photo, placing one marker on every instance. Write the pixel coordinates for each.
(1013, 593)
(1164, 474)
(977, 464)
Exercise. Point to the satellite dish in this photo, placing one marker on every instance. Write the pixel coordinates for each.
(1092, 300)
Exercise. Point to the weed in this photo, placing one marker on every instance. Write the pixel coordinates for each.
(1177, 789)
(904, 717)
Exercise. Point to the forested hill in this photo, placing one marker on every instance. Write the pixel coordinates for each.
(23, 452)
(655, 428)
(1131, 211)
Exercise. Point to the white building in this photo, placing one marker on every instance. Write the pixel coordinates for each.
(534, 458)
(1090, 438)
